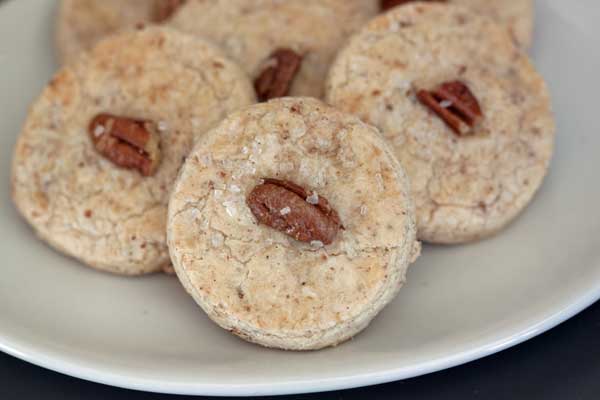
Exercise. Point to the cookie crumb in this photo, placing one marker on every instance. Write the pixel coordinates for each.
(307, 292)
(206, 160)
(230, 208)
(195, 213)
(380, 184)
(217, 239)
(323, 143)
(285, 211)
(316, 244)
(162, 126)
(313, 198)
(99, 130)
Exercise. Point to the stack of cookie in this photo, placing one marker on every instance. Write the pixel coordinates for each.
(291, 222)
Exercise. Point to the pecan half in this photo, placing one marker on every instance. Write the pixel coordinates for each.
(277, 77)
(387, 4)
(164, 9)
(454, 103)
(289, 208)
(127, 142)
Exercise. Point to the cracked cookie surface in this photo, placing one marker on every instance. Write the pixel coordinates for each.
(81, 202)
(258, 282)
(251, 30)
(468, 187)
(82, 23)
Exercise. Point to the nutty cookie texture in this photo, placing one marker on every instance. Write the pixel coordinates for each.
(260, 34)
(82, 23)
(291, 224)
(467, 114)
(101, 147)
(516, 15)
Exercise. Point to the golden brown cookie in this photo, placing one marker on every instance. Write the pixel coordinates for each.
(82, 23)
(291, 224)
(251, 31)
(472, 171)
(101, 147)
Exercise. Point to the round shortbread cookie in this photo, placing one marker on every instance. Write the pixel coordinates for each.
(262, 284)
(82, 23)
(251, 30)
(80, 201)
(516, 15)
(464, 187)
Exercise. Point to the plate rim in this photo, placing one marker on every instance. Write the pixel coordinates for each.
(99, 375)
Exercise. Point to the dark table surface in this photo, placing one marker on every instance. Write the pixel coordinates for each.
(563, 363)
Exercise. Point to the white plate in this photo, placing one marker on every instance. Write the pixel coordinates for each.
(461, 303)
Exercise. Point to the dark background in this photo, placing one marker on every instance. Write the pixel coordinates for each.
(563, 363)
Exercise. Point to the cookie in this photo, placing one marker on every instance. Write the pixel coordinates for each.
(465, 111)
(517, 15)
(102, 145)
(82, 23)
(291, 224)
(252, 31)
